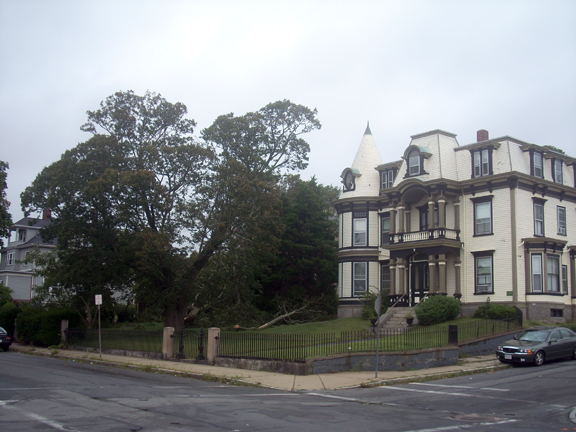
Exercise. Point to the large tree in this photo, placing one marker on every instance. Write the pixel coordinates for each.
(306, 269)
(165, 202)
(5, 218)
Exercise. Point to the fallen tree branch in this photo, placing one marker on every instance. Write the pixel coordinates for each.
(274, 321)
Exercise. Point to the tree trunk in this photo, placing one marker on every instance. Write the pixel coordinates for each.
(174, 315)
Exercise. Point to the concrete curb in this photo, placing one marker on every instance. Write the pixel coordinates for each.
(291, 383)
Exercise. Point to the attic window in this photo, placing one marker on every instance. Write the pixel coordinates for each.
(414, 162)
(349, 181)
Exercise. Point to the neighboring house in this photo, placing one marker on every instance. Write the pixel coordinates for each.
(21, 277)
(493, 219)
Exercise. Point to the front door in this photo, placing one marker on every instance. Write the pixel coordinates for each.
(419, 280)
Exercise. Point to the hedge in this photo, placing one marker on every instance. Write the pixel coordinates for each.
(42, 327)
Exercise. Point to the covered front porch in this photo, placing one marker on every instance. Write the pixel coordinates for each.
(420, 270)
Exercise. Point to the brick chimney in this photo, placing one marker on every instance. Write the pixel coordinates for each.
(482, 135)
(47, 214)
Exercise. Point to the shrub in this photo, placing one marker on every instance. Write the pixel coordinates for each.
(42, 327)
(495, 311)
(369, 301)
(437, 309)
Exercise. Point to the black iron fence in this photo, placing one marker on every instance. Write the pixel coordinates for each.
(137, 340)
(297, 348)
(292, 348)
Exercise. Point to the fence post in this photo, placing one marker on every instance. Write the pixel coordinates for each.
(63, 330)
(453, 334)
(213, 345)
(168, 343)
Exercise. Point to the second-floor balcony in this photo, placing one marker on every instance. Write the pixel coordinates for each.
(426, 235)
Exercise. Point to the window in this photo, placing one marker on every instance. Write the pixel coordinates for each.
(360, 276)
(385, 276)
(349, 181)
(536, 273)
(537, 166)
(360, 229)
(387, 179)
(483, 267)
(556, 313)
(22, 235)
(10, 259)
(538, 217)
(481, 160)
(24, 263)
(564, 279)
(414, 163)
(385, 224)
(561, 212)
(557, 170)
(482, 215)
(553, 273)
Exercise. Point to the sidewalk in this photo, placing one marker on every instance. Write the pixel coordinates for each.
(328, 381)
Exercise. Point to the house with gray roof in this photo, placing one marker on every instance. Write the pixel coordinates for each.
(490, 220)
(17, 274)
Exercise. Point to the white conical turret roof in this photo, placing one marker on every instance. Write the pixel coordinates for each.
(366, 160)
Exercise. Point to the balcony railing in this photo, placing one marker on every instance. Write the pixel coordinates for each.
(432, 234)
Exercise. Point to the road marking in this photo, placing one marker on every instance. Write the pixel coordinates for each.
(426, 391)
(466, 426)
(336, 397)
(39, 418)
(462, 387)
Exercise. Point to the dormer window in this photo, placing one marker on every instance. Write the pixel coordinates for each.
(22, 235)
(349, 180)
(557, 171)
(537, 167)
(481, 162)
(387, 178)
(414, 162)
(414, 159)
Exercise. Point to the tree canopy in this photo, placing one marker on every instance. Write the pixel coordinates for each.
(143, 204)
(5, 217)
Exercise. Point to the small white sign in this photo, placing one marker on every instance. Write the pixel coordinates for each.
(98, 299)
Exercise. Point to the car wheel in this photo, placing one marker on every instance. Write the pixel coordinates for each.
(539, 358)
(574, 354)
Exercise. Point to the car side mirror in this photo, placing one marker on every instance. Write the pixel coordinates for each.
(553, 340)
(515, 337)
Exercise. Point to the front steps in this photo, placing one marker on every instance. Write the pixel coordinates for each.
(396, 318)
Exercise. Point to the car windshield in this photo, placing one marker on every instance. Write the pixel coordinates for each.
(534, 336)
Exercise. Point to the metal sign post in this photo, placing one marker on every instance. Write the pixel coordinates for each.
(377, 307)
(98, 300)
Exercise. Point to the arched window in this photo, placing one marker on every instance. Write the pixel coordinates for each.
(414, 163)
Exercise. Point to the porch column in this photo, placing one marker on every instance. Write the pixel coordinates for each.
(432, 274)
(431, 206)
(400, 219)
(441, 213)
(393, 277)
(572, 281)
(456, 214)
(407, 218)
(442, 273)
(401, 276)
(457, 291)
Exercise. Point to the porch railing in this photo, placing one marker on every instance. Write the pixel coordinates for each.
(432, 234)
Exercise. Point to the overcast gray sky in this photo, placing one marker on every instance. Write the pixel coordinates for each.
(508, 66)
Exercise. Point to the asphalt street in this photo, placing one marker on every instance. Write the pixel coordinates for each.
(45, 394)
